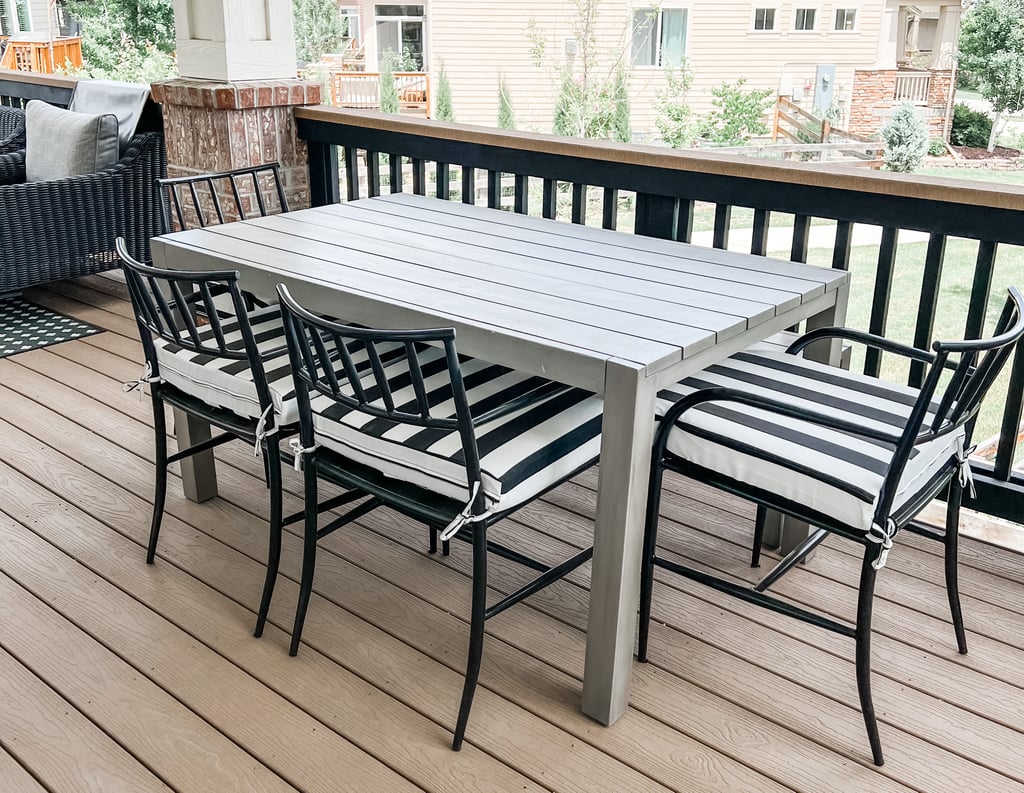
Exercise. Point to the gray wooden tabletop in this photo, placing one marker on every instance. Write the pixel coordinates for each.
(567, 297)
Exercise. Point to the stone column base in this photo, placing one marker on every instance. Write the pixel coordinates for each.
(214, 126)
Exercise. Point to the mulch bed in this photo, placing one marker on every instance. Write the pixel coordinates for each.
(1000, 153)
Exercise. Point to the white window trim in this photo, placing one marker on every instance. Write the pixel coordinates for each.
(775, 20)
(855, 7)
(817, 19)
(687, 7)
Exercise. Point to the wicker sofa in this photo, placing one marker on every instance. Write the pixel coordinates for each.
(12, 129)
(66, 228)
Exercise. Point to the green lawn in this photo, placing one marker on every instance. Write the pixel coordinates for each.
(975, 174)
(954, 296)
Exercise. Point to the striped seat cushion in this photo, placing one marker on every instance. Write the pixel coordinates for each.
(833, 472)
(227, 383)
(522, 454)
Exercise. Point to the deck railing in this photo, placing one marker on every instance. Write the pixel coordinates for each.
(669, 194)
(17, 87)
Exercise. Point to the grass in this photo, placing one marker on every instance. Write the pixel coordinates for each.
(975, 175)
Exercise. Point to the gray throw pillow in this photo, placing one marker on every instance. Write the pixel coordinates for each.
(60, 143)
(124, 100)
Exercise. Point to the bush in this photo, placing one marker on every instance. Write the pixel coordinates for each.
(678, 124)
(970, 127)
(388, 88)
(906, 139)
(738, 114)
(936, 147)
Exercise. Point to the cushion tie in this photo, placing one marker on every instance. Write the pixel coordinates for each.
(965, 475)
(883, 536)
(146, 377)
(262, 433)
(464, 517)
(298, 450)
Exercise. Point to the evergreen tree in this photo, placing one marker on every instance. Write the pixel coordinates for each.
(620, 128)
(906, 139)
(443, 100)
(388, 89)
(506, 114)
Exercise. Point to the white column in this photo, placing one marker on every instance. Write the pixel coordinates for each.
(890, 40)
(947, 34)
(229, 40)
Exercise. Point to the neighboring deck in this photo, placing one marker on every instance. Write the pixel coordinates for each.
(117, 676)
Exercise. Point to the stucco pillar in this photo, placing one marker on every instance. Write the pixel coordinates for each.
(232, 105)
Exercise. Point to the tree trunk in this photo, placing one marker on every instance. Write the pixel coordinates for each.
(994, 133)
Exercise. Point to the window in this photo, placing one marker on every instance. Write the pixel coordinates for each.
(659, 36)
(804, 19)
(764, 19)
(400, 36)
(349, 23)
(846, 18)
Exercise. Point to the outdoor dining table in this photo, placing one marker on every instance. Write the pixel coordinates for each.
(615, 313)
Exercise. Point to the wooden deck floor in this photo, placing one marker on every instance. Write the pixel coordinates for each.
(116, 676)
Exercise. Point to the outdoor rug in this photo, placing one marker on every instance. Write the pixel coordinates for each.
(26, 326)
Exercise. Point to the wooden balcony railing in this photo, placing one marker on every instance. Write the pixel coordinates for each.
(362, 90)
(662, 192)
(17, 87)
(912, 87)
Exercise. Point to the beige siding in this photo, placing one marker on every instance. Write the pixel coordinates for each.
(478, 40)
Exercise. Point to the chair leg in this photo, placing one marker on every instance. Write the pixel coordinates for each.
(951, 542)
(476, 632)
(862, 636)
(649, 550)
(160, 488)
(433, 539)
(272, 457)
(759, 521)
(308, 555)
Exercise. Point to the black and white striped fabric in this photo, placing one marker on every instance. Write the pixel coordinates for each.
(227, 383)
(522, 454)
(833, 472)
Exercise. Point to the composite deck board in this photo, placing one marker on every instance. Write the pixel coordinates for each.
(15, 776)
(733, 699)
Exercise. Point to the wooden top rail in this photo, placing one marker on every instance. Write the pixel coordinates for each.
(34, 78)
(981, 195)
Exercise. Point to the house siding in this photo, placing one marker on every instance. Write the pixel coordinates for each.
(478, 41)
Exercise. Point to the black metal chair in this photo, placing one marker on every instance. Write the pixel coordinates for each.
(213, 198)
(455, 443)
(231, 371)
(851, 455)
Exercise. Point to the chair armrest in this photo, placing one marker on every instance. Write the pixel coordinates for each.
(12, 168)
(543, 391)
(764, 403)
(867, 339)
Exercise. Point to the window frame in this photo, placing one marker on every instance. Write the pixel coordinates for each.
(847, 9)
(656, 32)
(775, 19)
(805, 8)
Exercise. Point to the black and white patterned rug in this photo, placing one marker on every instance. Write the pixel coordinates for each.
(25, 326)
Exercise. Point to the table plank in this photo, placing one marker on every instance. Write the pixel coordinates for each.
(540, 296)
(526, 269)
(533, 253)
(758, 267)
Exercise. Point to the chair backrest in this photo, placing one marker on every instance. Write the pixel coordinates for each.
(971, 367)
(214, 198)
(178, 307)
(362, 369)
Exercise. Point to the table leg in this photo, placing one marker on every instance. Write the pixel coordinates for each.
(627, 435)
(198, 472)
(784, 532)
